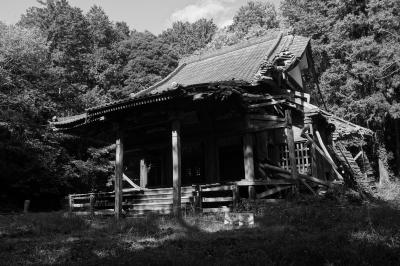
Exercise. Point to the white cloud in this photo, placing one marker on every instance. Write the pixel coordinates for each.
(218, 10)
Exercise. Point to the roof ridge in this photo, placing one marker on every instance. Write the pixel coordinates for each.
(231, 48)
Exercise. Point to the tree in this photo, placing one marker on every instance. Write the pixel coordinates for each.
(68, 34)
(357, 55)
(354, 53)
(100, 28)
(255, 13)
(146, 60)
(255, 19)
(185, 37)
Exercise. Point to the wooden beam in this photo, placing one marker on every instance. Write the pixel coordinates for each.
(265, 182)
(291, 145)
(143, 173)
(266, 117)
(323, 146)
(248, 157)
(308, 126)
(307, 177)
(334, 167)
(272, 191)
(358, 155)
(272, 102)
(176, 167)
(119, 166)
(127, 179)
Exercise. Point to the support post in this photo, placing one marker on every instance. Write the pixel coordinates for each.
(91, 200)
(291, 145)
(313, 153)
(143, 173)
(249, 162)
(176, 168)
(70, 202)
(119, 159)
(26, 205)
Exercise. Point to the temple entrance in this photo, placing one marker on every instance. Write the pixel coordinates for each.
(193, 171)
(231, 159)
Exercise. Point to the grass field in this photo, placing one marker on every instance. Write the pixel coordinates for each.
(307, 232)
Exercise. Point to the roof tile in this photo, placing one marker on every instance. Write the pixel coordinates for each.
(240, 63)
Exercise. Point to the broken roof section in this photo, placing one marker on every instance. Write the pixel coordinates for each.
(240, 62)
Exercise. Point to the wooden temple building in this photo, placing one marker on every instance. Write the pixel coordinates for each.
(234, 123)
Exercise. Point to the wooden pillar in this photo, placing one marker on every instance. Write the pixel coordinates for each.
(176, 168)
(143, 173)
(291, 145)
(119, 165)
(249, 162)
(70, 203)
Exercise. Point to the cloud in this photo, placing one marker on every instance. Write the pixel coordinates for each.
(221, 11)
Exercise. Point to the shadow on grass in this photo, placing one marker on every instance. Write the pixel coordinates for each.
(294, 234)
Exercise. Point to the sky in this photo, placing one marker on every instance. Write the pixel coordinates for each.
(152, 15)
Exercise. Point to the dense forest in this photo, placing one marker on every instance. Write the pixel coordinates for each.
(58, 60)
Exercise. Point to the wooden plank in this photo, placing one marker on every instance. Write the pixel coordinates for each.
(220, 188)
(308, 186)
(272, 102)
(249, 162)
(358, 155)
(143, 173)
(235, 196)
(119, 168)
(91, 204)
(323, 147)
(80, 205)
(220, 209)
(308, 126)
(80, 198)
(264, 182)
(176, 167)
(266, 117)
(291, 145)
(272, 191)
(307, 177)
(334, 167)
(70, 203)
(217, 199)
(258, 126)
(127, 179)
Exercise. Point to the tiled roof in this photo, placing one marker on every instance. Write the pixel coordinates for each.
(345, 128)
(240, 62)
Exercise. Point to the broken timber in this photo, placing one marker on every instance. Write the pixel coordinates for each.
(303, 176)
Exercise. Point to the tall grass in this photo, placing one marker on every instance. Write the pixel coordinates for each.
(389, 191)
(41, 224)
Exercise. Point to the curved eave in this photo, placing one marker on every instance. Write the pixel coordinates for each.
(97, 114)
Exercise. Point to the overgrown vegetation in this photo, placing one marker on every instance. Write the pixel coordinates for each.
(295, 233)
(57, 61)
